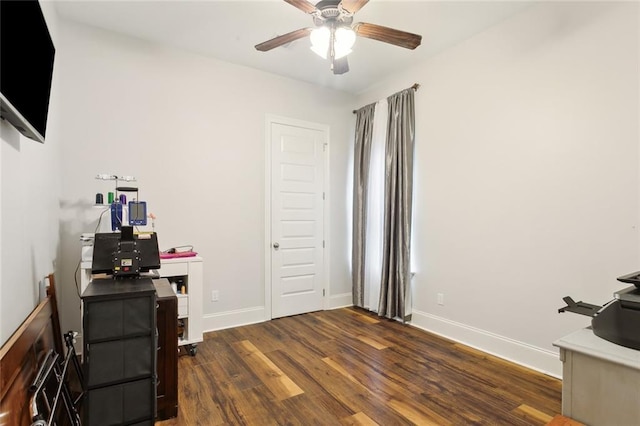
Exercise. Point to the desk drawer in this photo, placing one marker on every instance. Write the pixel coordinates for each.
(121, 404)
(118, 318)
(174, 269)
(118, 360)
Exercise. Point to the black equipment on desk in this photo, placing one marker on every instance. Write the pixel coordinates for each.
(125, 254)
(633, 278)
(618, 321)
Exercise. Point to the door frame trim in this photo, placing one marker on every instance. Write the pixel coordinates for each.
(276, 119)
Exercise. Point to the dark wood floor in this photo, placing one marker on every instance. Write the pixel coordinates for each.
(348, 367)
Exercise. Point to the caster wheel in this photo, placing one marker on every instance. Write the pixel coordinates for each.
(193, 350)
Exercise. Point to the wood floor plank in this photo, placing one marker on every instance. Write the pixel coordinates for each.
(349, 367)
(328, 409)
(469, 379)
(390, 391)
(532, 413)
(236, 369)
(336, 366)
(372, 341)
(309, 410)
(560, 420)
(273, 378)
(350, 393)
(387, 386)
(266, 337)
(200, 397)
(477, 395)
(358, 419)
(421, 416)
(262, 409)
(313, 338)
(360, 315)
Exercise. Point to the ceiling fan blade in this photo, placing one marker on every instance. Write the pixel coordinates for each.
(352, 6)
(388, 35)
(340, 66)
(303, 5)
(283, 39)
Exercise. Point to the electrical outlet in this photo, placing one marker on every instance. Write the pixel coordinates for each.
(215, 295)
(441, 299)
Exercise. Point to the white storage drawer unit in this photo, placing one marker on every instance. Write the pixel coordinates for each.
(187, 273)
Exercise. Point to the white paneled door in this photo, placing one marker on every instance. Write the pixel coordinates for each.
(297, 218)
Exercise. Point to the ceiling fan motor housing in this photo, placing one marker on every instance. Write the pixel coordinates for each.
(328, 11)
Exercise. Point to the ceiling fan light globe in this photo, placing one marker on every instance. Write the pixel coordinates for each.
(320, 41)
(345, 38)
(320, 51)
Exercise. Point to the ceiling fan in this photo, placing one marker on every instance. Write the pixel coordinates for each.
(335, 32)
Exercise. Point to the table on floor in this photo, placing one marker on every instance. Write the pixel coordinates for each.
(600, 380)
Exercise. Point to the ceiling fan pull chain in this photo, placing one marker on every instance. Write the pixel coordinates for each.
(332, 44)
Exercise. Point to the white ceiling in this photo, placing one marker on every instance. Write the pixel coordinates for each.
(229, 30)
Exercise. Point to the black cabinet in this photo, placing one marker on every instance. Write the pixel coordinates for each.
(119, 354)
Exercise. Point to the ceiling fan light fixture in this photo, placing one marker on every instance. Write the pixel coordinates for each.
(335, 32)
(344, 39)
(320, 38)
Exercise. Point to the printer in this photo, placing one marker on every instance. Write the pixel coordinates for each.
(617, 321)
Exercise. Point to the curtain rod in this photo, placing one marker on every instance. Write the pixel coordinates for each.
(414, 87)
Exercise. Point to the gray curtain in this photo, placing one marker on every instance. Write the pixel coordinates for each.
(397, 208)
(364, 134)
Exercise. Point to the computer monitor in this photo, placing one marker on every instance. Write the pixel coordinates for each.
(106, 245)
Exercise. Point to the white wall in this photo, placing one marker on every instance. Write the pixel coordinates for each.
(526, 176)
(29, 201)
(191, 129)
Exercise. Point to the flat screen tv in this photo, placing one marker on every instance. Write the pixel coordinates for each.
(26, 67)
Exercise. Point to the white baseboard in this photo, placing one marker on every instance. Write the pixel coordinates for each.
(544, 361)
(340, 301)
(240, 317)
(237, 318)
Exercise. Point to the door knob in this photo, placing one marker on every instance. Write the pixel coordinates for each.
(276, 246)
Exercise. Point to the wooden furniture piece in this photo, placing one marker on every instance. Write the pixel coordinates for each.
(57, 332)
(119, 357)
(167, 369)
(20, 358)
(187, 272)
(600, 380)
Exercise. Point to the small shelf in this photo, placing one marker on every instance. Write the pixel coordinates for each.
(187, 273)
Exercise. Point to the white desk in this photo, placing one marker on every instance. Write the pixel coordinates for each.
(189, 270)
(600, 380)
